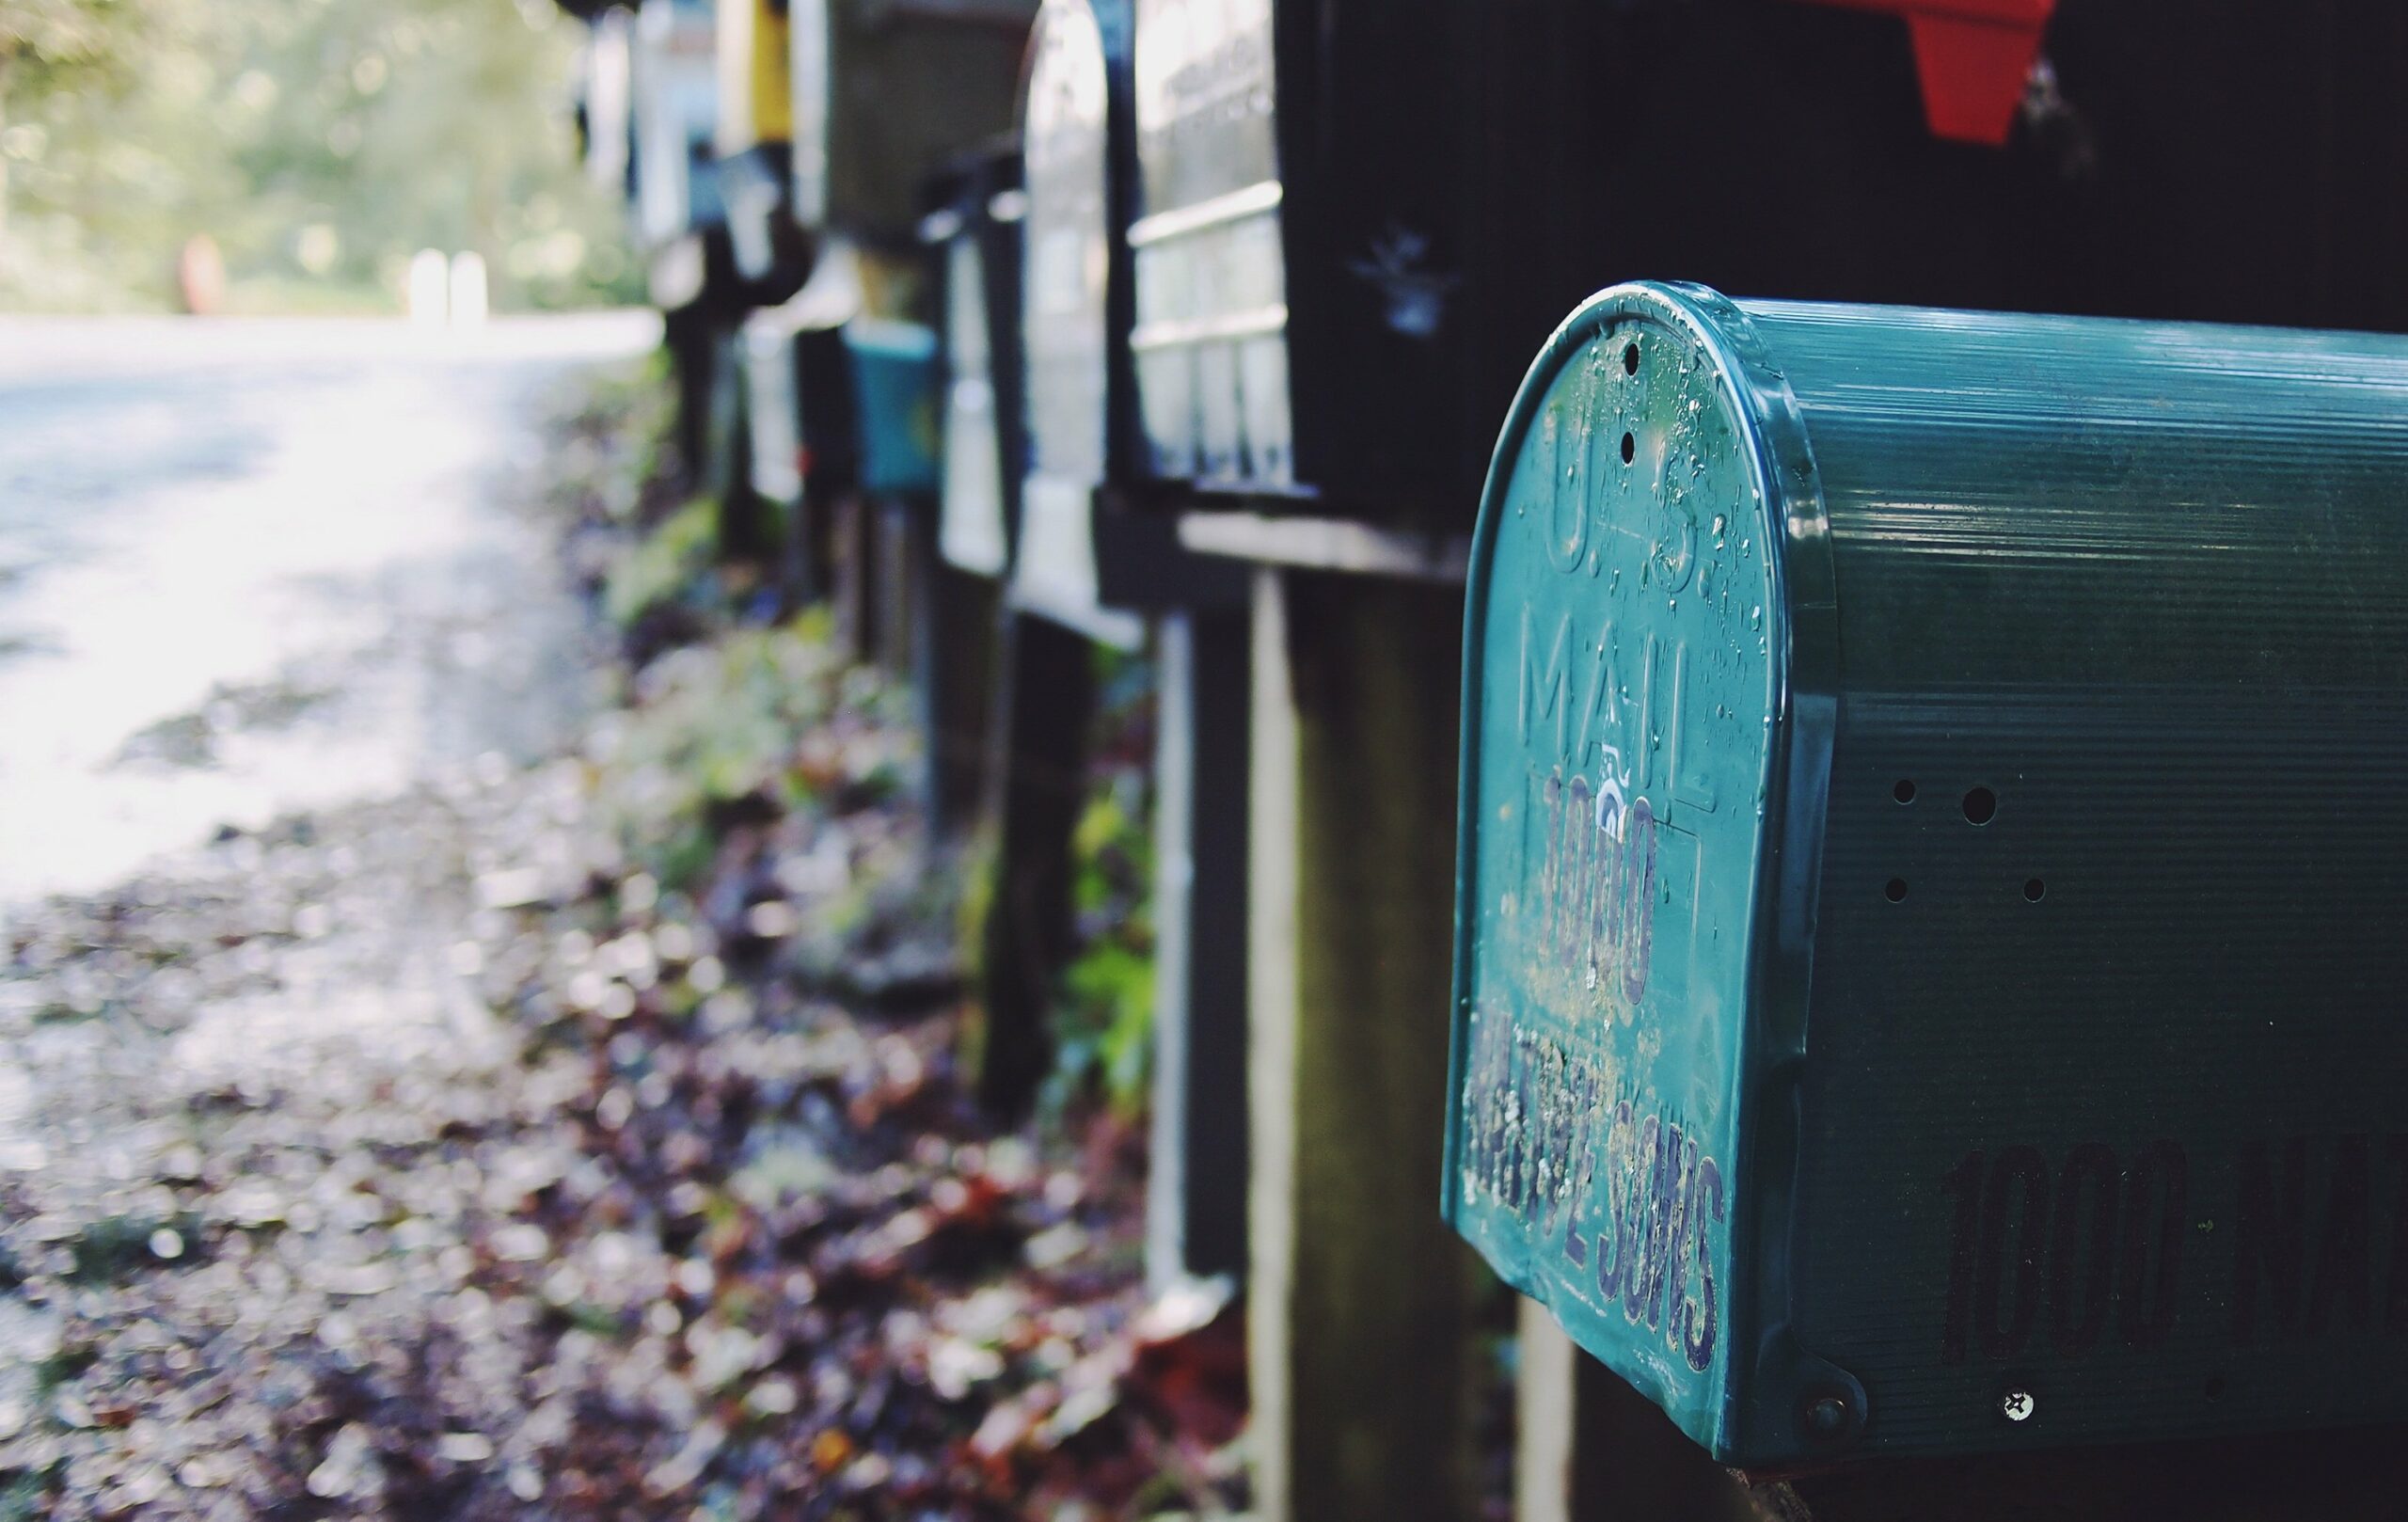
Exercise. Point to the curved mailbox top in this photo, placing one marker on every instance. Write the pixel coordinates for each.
(1074, 305)
(1072, 234)
(1930, 837)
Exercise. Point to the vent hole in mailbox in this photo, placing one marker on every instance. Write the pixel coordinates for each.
(1903, 790)
(2035, 890)
(1631, 359)
(1895, 890)
(2215, 1386)
(1981, 806)
(1629, 449)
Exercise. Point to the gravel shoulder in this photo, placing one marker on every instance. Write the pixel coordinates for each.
(551, 1139)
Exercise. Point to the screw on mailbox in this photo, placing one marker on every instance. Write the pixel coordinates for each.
(1826, 1417)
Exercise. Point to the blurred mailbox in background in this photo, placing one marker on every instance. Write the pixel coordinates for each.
(1299, 248)
(977, 231)
(754, 147)
(1078, 161)
(885, 88)
(896, 379)
(1931, 867)
(675, 75)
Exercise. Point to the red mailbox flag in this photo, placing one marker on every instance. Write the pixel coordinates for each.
(1972, 57)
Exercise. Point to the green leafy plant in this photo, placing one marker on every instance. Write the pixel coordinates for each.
(1105, 1019)
(668, 565)
(767, 719)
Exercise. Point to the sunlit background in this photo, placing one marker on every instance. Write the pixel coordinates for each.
(316, 145)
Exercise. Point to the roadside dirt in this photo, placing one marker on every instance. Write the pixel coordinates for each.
(428, 1157)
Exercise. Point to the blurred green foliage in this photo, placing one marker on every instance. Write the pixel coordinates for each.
(669, 564)
(1104, 1023)
(318, 143)
(763, 721)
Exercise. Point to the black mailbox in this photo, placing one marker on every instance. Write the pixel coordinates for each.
(1322, 182)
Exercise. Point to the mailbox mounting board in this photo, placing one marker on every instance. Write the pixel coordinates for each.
(1931, 862)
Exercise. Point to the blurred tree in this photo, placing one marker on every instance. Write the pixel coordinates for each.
(42, 40)
(319, 142)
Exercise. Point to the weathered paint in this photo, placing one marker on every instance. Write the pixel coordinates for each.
(1627, 688)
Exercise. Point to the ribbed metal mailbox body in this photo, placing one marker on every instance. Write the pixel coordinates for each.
(1932, 856)
(1297, 260)
(1077, 163)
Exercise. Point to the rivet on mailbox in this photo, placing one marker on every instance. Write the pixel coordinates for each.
(1931, 865)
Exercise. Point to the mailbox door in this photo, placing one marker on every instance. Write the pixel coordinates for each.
(774, 410)
(1625, 684)
(972, 529)
(1211, 336)
(1074, 307)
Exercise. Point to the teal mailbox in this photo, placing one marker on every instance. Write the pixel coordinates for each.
(1933, 856)
(895, 377)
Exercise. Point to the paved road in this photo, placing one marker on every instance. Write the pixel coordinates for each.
(248, 567)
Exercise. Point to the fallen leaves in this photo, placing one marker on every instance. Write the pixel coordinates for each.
(581, 1141)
